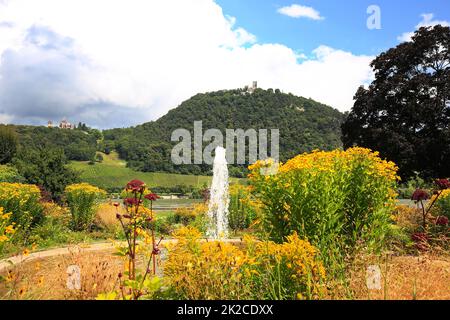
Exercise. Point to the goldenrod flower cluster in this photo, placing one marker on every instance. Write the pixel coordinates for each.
(84, 188)
(83, 199)
(442, 204)
(20, 191)
(6, 227)
(22, 200)
(198, 269)
(338, 199)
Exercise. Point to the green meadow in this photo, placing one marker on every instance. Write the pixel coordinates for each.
(112, 173)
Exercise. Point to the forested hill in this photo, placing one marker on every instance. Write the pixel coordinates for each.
(77, 144)
(304, 125)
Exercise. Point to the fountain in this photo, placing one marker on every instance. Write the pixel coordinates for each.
(219, 198)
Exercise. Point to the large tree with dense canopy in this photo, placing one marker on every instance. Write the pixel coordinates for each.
(405, 112)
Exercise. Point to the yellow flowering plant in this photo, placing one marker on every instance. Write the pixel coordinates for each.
(197, 269)
(442, 203)
(7, 229)
(22, 200)
(83, 199)
(339, 200)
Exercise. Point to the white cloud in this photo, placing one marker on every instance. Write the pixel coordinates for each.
(427, 21)
(122, 62)
(299, 11)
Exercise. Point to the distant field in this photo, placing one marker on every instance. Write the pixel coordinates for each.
(112, 173)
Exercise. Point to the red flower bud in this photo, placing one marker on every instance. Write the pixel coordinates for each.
(443, 184)
(442, 221)
(419, 195)
(136, 185)
(152, 196)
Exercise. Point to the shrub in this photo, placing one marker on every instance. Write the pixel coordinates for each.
(187, 216)
(261, 270)
(83, 199)
(22, 200)
(163, 226)
(10, 174)
(242, 211)
(46, 167)
(338, 200)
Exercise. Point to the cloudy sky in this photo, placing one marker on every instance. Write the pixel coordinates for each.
(115, 63)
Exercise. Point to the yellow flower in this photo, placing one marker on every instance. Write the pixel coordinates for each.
(9, 229)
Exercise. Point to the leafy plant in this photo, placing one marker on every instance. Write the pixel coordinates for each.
(341, 201)
(83, 200)
(45, 167)
(10, 174)
(242, 211)
(138, 222)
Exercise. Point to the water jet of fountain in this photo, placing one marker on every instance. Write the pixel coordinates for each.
(219, 198)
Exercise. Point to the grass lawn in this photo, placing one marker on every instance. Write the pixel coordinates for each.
(112, 173)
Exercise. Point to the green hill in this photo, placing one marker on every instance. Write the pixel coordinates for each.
(304, 125)
(77, 144)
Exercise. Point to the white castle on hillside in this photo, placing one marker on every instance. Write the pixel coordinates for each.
(64, 124)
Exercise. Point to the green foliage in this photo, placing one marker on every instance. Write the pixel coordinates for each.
(8, 143)
(241, 212)
(406, 189)
(304, 125)
(405, 113)
(10, 174)
(46, 167)
(77, 144)
(98, 157)
(83, 200)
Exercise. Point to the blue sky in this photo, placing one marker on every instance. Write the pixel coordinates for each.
(343, 26)
(116, 63)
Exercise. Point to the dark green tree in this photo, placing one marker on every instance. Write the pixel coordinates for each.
(8, 144)
(405, 112)
(46, 167)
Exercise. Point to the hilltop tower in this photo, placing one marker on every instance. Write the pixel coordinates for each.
(253, 87)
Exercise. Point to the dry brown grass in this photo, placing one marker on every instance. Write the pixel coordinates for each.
(106, 216)
(47, 278)
(424, 277)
